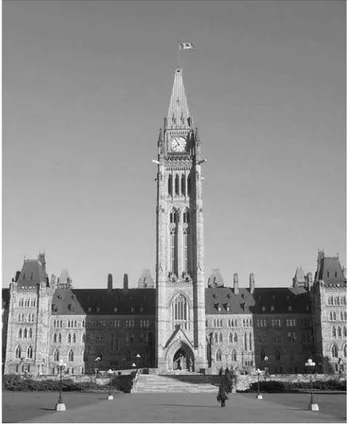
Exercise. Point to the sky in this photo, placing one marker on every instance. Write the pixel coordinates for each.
(86, 86)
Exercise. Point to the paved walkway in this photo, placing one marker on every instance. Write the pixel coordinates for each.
(178, 407)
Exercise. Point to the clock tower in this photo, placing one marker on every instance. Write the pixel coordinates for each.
(180, 284)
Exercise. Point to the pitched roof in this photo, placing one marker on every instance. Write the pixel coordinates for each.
(222, 300)
(178, 111)
(32, 273)
(104, 302)
(330, 271)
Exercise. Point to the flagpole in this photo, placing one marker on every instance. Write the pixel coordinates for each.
(178, 56)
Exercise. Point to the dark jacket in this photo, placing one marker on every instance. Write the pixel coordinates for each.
(222, 391)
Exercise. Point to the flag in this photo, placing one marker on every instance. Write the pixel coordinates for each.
(186, 46)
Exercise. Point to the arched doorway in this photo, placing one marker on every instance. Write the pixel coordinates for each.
(180, 357)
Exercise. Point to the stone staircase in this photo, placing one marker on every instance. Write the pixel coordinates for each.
(146, 383)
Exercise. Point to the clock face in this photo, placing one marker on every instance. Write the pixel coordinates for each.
(178, 144)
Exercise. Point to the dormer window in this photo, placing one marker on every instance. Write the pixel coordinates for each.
(289, 308)
(141, 308)
(89, 309)
(263, 308)
(307, 307)
(70, 307)
(59, 296)
(272, 308)
(218, 306)
(132, 308)
(97, 308)
(115, 309)
(226, 305)
(54, 308)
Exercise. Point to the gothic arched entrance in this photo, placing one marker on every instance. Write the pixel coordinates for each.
(180, 357)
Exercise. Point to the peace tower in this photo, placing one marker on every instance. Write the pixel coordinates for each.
(180, 283)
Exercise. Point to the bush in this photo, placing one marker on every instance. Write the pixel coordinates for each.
(273, 386)
(269, 386)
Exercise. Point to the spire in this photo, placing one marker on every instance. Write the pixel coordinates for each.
(178, 112)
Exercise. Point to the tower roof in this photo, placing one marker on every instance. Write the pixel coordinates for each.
(299, 275)
(178, 111)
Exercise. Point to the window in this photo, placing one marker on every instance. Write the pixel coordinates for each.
(173, 250)
(69, 338)
(233, 356)
(345, 332)
(29, 352)
(334, 316)
(230, 337)
(20, 333)
(235, 338)
(250, 340)
(18, 352)
(25, 333)
(339, 333)
(216, 338)
(176, 185)
(183, 184)
(277, 355)
(170, 185)
(74, 338)
(70, 356)
(218, 356)
(334, 351)
(21, 302)
(59, 338)
(55, 338)
(189, 185)
(185, 248)
(181, 312)
(345, 351)
(331, 316)
(245, 341)
(220, 338)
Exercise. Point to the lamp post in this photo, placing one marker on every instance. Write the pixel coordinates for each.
(258, 396)
(310, 365)
(60, 406)
(110, 396)
(266, 374)
(138, 357)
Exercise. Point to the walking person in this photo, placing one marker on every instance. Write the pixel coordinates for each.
(222, 391)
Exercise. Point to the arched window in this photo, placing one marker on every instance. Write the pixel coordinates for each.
(331, 316)
(55, 338)
(220, 338)
(337, 301)
(334, 332)
(20, 333)
(235, 338)
(56, 355)
(69, 338)
(334, 351)
(61, 323)
(25, 333)
(345, 351)
(186, 216)
(233, 356)
(219, 356)
(183, 184)
(29, 352)
(176, 185)
(331, 300)
(334, 316)
(245, 341)
(189, 185)
(59, 338)
(230, 337)
(236, 323)
(345, 332)
(26, 303)
(69, 323)
(74, 338)
(21, 302)
(18, 352)
(170, 185)
(216, 337)
(181, 312)
(30, 333)
(75, 323)
(70, 356)
(339, 333)
(250, 340)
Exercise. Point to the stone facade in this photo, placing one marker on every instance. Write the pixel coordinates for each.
(180, 323)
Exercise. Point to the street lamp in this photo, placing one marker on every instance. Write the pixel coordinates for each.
(258, 396)
(310, 365)
(60, 406)
(266, 374)
(110, 373)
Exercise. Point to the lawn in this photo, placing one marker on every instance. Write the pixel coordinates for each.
(20, 406)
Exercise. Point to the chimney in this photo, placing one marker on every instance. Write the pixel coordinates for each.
(125, 282)
(252, 282)
(109, 282)
(309, 281)
(236, 283)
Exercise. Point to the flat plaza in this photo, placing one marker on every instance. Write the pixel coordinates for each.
(171, 407)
